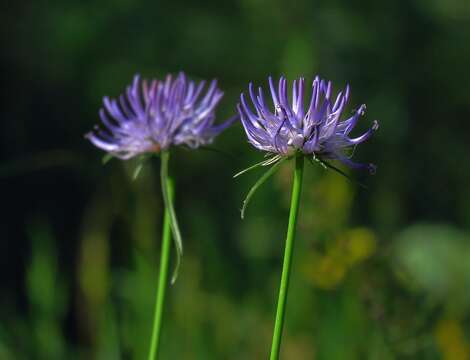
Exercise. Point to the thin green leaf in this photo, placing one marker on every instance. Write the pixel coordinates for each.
(339, 171)
(106, 158)
(168, 200)
(137, 170)
(260, 182)
(261, 163)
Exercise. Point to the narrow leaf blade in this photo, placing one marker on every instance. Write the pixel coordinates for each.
(260, 182)
(106, 158)
(341, 172)
(261, 163)
(166, 182)
(137, 170)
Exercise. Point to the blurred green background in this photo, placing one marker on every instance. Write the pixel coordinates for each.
(382, 273)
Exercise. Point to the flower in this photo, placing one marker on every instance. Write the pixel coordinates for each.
(314, 130)
(151, 116)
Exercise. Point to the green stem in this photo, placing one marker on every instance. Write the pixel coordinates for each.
(286, 267)
(163, 276)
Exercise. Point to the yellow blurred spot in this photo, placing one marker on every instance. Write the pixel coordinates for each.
(334, 197)
(338, 192)
(360, 244)
(451, 341)
(93, 276)
(326, 272)
(350, 248)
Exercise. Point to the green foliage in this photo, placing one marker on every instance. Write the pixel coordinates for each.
(435, 258)
(47, 295)
(376, 275)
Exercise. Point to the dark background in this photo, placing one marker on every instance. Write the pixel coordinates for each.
(381, 273)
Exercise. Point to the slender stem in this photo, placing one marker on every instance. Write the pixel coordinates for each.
(286, 267)
(163, 277)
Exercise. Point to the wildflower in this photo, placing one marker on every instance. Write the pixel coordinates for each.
(315, 129)
(150, 118)
(153, 115)
(295, 131)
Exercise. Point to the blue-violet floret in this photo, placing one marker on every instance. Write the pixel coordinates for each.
(153, 115)
(315, 129)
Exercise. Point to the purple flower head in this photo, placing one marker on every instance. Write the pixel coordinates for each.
(313, 128)
(153, 115)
